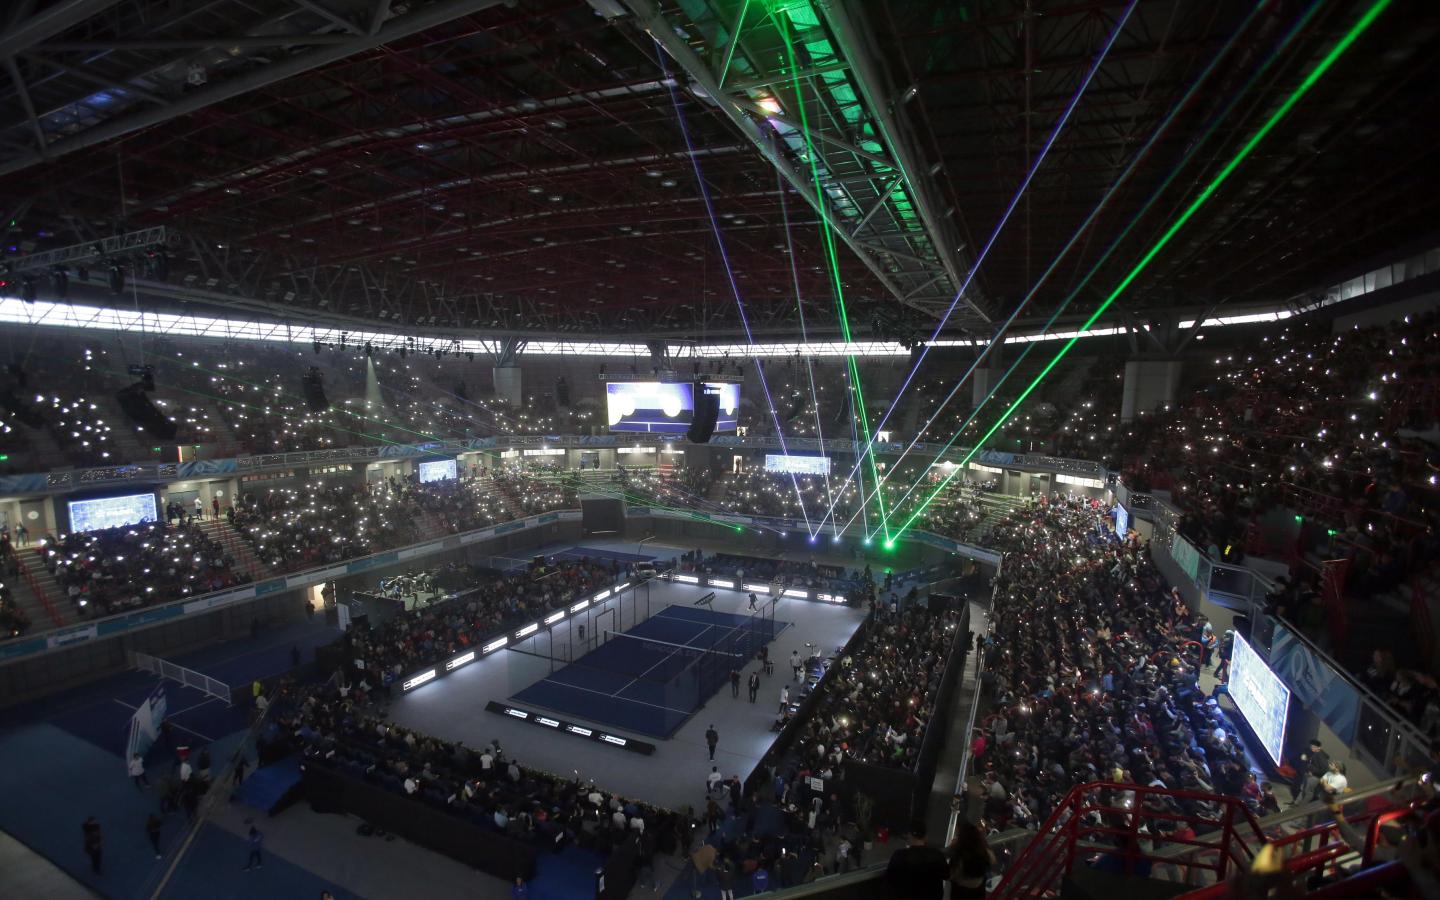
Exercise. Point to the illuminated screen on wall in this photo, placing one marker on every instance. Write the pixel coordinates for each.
(111, 512)
(799, 465)
(659, 407)
(436, 470)
(1260, 695)
(1186, 557)
(1122, 520)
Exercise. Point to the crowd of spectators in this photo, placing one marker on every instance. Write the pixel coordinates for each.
(879, 703)
(419, 637)
(320, 523)
(1094, 672)
(341, 730)
(116, 569)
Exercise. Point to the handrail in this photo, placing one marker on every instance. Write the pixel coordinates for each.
(39, 591)
(1059, 843)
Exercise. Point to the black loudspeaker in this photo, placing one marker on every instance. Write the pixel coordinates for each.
(707, 411)
(562, 393)
(138, 409)
(314, 386)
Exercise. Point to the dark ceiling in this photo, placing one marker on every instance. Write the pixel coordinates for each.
(522, 165)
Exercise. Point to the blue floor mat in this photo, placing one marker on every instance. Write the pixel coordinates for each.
(213, 869)
(565, 875)
(266, 786)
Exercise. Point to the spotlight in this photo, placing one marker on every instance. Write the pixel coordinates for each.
(813, 538)
(835, 539)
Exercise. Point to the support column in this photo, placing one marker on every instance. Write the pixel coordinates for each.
(986, 376)
(507, 372)
(1150, 384)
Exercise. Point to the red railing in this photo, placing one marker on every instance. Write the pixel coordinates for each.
(40, 593)
(1101, 824)
(1332, 592)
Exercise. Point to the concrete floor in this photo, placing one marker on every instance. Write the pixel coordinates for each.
(454, 708)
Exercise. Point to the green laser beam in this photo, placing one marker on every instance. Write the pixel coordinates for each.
(734, 42)
(1359, 28)
(831, 256)
(1115, 243)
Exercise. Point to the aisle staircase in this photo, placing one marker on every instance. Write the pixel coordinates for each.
(237, 547)
(42, 601)
(38, 593)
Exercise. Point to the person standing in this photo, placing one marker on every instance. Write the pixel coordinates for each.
(214, 507)
(152, 831)
(918, 871)
(137, 772)
(754, 685)
(795, 665)
(753, 600)
(256, 841)
(712, 737)
(726, 876)
(734, 682)
(94, 840)
(971, 860)
(519, 890)
(1314, 763)
(199, 509)
(240, 763)
(712, 781)
(784, 697)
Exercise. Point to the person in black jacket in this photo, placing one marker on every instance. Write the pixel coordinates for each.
(917, 871)
(1314, 763)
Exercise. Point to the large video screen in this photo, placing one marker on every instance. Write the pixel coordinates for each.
(1260, 695)
(1122, 520)
(798, 465)
(657, 407)
(111, 512)
(729, 404)
(436, 470)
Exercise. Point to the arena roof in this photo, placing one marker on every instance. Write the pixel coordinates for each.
(565, 166)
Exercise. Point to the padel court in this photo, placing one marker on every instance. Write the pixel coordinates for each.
(653, 677)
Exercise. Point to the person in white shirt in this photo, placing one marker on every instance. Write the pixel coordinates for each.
(411, 785)
(1334, 783)
(185, 770)
(619, 818)
(137, 773)
(637, 824)
(712, 781)
(487, 761)
(784, 697)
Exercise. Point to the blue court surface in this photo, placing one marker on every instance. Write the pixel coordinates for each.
(652, 688)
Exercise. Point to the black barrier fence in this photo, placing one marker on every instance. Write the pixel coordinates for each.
(760, 775)
(897, 796)
(476, 846)
(940, 718)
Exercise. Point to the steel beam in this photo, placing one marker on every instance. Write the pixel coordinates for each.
(855, 42)
(648, 16)
(76, 253)
(396, 29)
(60, 17)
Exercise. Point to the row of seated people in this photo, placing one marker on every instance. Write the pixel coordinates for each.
(318, 523)
(484, 786)
(115, 569)
(1094, 672)
(419, 637)
(882, 698)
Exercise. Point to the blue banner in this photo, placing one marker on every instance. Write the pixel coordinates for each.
(1315, 683)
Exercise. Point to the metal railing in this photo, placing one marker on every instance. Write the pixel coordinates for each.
(213, 687)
